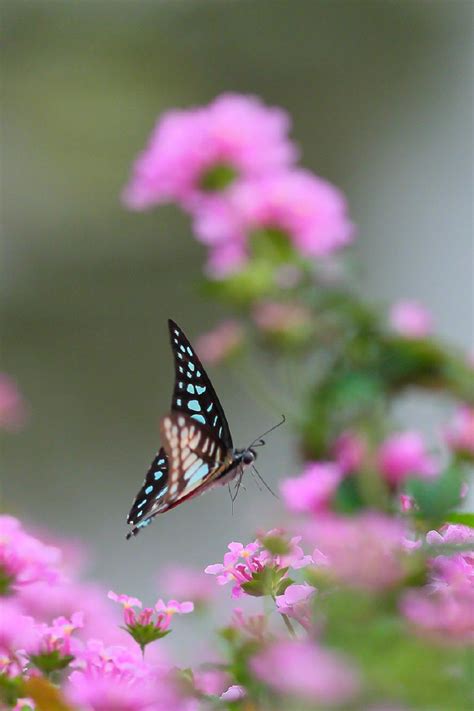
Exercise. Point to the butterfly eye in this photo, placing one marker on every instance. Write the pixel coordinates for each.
(248, 457)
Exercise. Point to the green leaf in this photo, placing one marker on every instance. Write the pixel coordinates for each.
(396, 664)
(145, 634)
(51, 661)
(10, 689)
(354, 391)
(347, 499)
(285, 583)
(265, 582)
(436, 497)
(465, 518)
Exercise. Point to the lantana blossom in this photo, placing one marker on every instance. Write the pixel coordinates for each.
(242, 564)
(223, 341)
(364, 551)
(194, 152)
(118, 679)
(23, 558)
(305, 209)
(404, 454)
(312, 491)
(296, 603)
(17, 634)
(53, 647)
(410, 319)
(306, 671)
(459, 433)
(151, 623)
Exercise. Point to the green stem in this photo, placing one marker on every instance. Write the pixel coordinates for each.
(287, 622)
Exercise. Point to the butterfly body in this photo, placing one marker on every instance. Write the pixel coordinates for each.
(197, 453)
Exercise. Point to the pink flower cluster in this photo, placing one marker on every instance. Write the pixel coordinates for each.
(460, 432)
(108, 674)
(220, 344)
(57, 636)
(187, 147)
(160, 616)
(242, 563)
(404, 454)
(363, 551)
(410, 320)
(306, 671)
(118, 679)
(313, 490)
(445, 607)
(231, 166)
(24, 560)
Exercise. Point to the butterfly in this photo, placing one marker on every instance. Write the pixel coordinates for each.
(197, 452)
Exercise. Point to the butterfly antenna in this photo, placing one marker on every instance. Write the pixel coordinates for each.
(259, 441)
(257, 483)
(264, 482)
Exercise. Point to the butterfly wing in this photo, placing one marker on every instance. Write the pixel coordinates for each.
(193, 393)
(196, 436)
(151, 497)
(195, 457)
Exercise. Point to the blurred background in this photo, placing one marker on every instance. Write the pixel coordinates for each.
(381, 97)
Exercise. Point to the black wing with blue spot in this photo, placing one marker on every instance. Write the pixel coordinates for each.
(193, 392)
(150, 499)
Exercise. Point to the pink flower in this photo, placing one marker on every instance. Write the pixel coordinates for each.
(53, 648)
(404, 454)
(211, 681)
(460, 433)
(407, 503)
(309, 211)
(47, 601)
(349, 451)
(238, 566)
(313, 490)
(225, 259)
(244, 564)
(281, 318)
(128, 604)
(17, 633)
(151, 623)
(447, 614)
(221, 343)
(296, 602)
(363, 551)
(410, 319)
(234, 693)
(24, 705)
(182, 581)
(13, 409)
(193, 152)
(306, 671)
(253, 625)
(118, 679)
(455, 570)
(24, 559)
(293, 557)
(173, 606)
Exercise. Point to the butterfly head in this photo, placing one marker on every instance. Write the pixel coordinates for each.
(247, 456)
